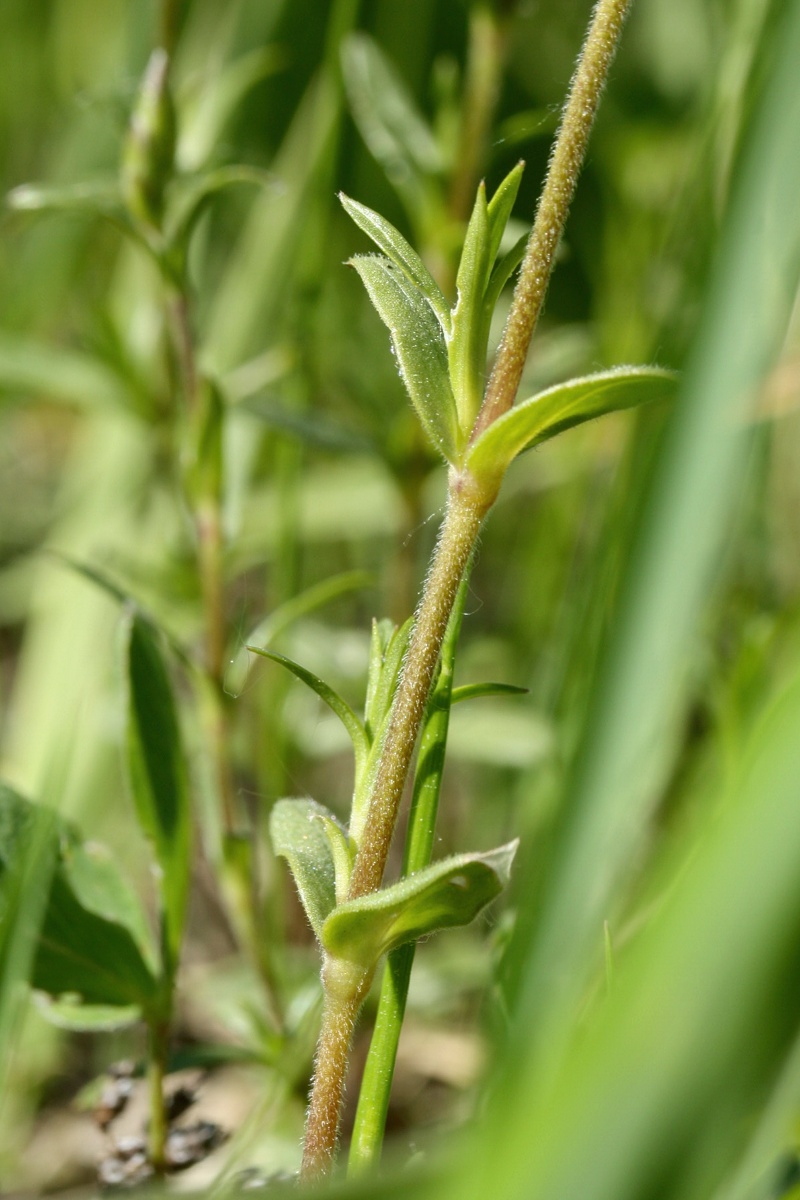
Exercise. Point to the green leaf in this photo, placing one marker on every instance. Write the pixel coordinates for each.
(419, 346)
(300, 836)
(387, 118)
(467, 347)
(66, 376)
(157, 771)
(474, 691)
(204, 114)
(189, 196)
(502, 271)
(334, 701)
(84, 945)
(86, 1018)
(405, 258)
(93, 874)
(448, 893)
(500, 206)
(387, 651)
(343, 853)
(558, 408)
(83, 954)
(286, 614)
(99, 197)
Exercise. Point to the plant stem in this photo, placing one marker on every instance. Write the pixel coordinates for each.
(565, 164)
(345, 989)
(156, 1070)
(466, 510)
(373, 1100)
(468, 503)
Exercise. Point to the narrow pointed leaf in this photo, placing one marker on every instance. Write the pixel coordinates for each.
(334, 701)
(467, 348)
(382, 688)
(475, 691)
(282, 617)
(389, 121)
(157, 771)
(299, 835)
(448, 893)
(502, 271)
(342, 853)
(418, 345)
(560, 407)
(500, 206)
(392, 243)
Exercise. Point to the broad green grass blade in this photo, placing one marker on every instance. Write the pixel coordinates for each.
(560, 407)
(157, 772)
(655, 1093)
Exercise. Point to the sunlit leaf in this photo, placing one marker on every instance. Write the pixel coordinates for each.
(298, 833)
(157, 770)
(404, 256)
(560, 407)
(326, 693)
(448, 893)
(418, 345)
(94, 198)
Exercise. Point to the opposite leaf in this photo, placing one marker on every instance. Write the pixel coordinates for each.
(448, 893)
(549, 412)
(419, 346)
(299, 835)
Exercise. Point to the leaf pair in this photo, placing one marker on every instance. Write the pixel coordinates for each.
(441, 354)
(448, 893)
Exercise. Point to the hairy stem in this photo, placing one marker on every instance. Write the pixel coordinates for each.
(345, 990)
(551, 215)
(465, 512)
(376, 1084)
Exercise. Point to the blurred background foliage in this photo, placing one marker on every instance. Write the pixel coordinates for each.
(325, 475)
